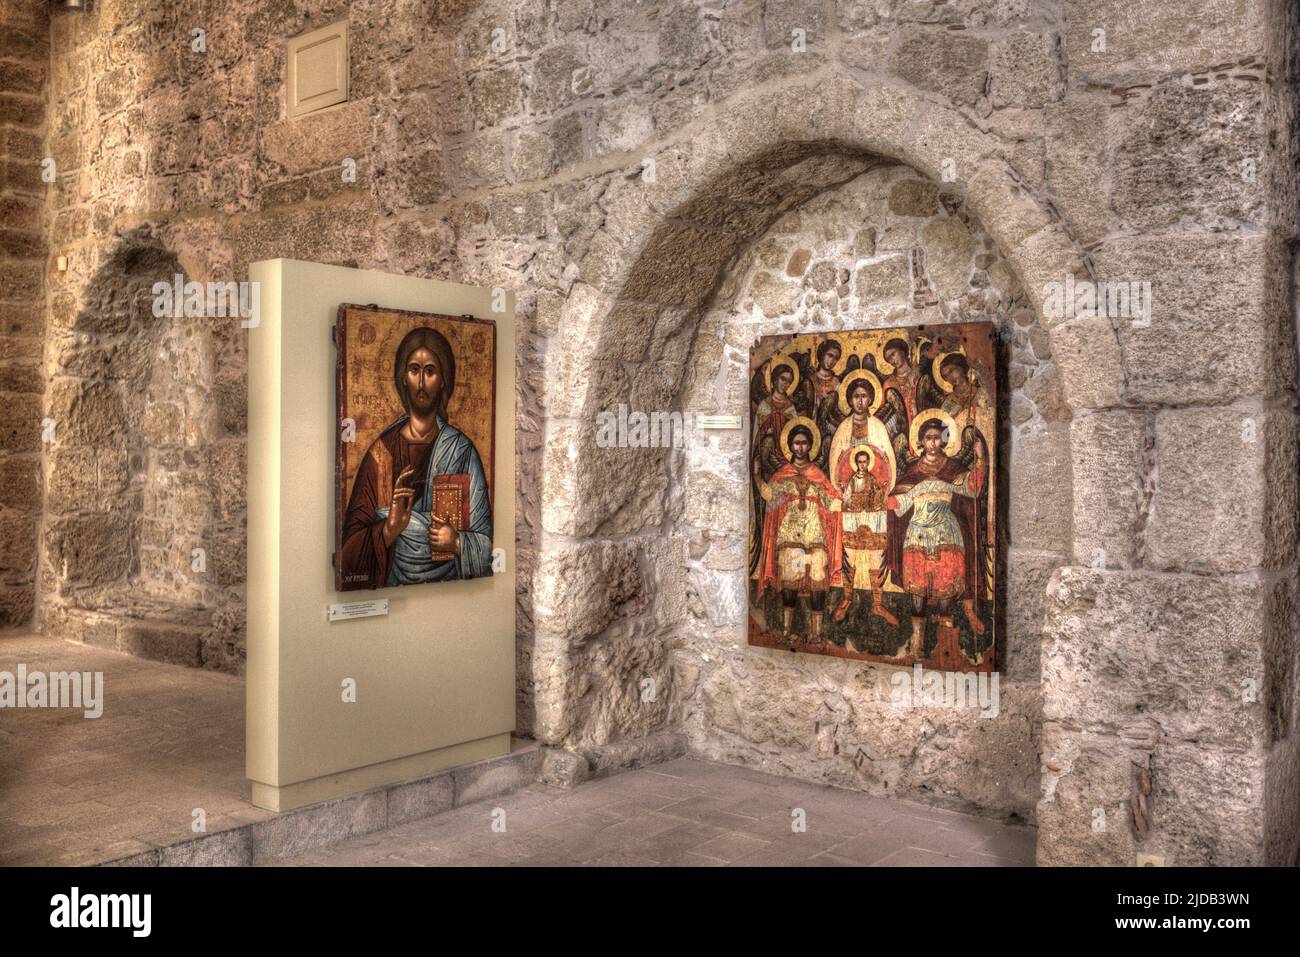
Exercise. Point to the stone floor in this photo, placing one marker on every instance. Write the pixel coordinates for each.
(76, 791)
(687, 813)
(81, 791)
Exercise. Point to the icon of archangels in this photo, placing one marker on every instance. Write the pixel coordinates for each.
(419, 509)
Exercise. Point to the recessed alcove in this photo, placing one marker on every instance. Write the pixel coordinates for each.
(886, 248)
(138, 533)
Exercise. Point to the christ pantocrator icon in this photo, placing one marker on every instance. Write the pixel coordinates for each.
(419, 509)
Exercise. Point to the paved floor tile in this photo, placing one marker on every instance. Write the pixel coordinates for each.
(171, 739)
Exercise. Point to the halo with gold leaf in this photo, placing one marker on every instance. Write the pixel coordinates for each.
(877, 390)
(953, 444)
(812, 427)
(771, 367)
(936, 370)
(852, 452)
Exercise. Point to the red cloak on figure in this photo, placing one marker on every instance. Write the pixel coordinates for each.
(769, 575)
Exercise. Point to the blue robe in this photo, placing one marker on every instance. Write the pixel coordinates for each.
(453, 453)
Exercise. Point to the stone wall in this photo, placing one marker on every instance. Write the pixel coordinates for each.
(1170, 660)
(887, 248)
(24, 58)
(508, 144)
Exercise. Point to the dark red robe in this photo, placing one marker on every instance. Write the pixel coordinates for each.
(365, 557)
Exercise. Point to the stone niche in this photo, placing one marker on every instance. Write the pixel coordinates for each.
(886, 248)
(143, 537)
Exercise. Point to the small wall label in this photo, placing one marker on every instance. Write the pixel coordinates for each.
(718, 421)
(358, 609)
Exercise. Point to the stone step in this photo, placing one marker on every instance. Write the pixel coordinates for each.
(266, 835)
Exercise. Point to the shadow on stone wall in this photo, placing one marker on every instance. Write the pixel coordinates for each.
(143, 536)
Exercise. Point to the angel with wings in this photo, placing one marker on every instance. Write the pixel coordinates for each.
(935, 549)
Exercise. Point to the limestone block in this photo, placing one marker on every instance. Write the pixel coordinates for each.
(836, 722)
(563, 768)
(580, 386)
(494, 95)
(654, 385)
(949, 249)
(1005, 209)
(1023, 70)
(1207, 341)
(1281, 690)
(296, 832)
(164, 424)
(531, 157)
(333, 233)
(1043, 261)
(23, 320)
(643, 752)
(1188, 778)
(716, 502)
(87, 413)
(883, 116)
(1106, 455)
(1045, 390)
(679, 265)
(740, 25)
(324, 138)
(1028, 574)
(230, 848)
(17, 603)
(1177, 157)
(1178, 651)
(1086, 353)
(1161, 37)
(629, 674)
(774, 295)
(945, 145)
(1210, 496)
(954, 64)
(885, 280)
(22, 428)
(721, 594)
(71, 482)
(522, 217)
(20, 482)
(782, 17)
(17, 540)
(914, 197)
(683, 38)
(1040, 505)
(1281, 793)
(228, 474)
(1084, 817)
(89, 549)
(70, 625)
(551, 86)
(823, 276)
